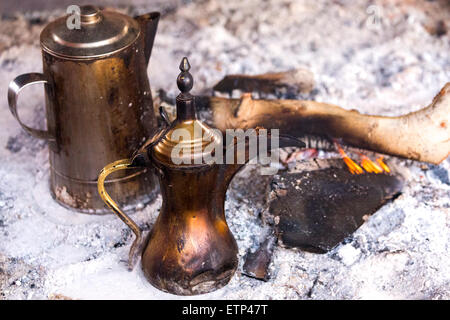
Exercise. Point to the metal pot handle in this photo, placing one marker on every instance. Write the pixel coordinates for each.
(110, 168)
(13, 92)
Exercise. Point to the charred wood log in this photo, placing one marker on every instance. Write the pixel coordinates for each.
(257, 263)
(423, 135)
(288, 82)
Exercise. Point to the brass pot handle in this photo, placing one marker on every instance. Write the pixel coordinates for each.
(15, 87)
(110, 168)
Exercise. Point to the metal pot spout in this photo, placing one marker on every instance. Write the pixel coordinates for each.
(244, 151)
(149, 24)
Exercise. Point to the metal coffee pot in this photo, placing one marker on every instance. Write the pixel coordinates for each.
(190, 249)
(98, 104)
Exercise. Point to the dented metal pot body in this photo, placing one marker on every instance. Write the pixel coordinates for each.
(98, 105)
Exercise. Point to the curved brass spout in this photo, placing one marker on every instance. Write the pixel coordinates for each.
(244, 151)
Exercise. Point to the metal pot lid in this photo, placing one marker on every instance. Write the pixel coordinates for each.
(188, 141)
(174, 149)
(100, 33)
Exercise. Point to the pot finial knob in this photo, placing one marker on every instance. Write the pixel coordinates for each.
(185, 81)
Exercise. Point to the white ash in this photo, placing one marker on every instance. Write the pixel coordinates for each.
(397, 66)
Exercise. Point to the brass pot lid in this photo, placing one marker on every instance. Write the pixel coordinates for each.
(188, 141)
(101, 33)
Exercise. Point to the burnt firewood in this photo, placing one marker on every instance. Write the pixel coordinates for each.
(316, 210)
(423, 135)
(257, 263)
(288, 82)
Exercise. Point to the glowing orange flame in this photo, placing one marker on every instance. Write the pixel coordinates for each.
(353, 167)
(367, 165)
(383, 165)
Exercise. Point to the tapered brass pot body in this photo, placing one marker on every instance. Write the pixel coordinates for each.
(190, 249)
(98, 105)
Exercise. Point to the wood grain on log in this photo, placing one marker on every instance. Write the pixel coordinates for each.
(423, 135)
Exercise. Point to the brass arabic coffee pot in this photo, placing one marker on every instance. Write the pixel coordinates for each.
(190, 249)
(98, 104)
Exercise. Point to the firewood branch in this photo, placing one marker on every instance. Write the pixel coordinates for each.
(423, 135)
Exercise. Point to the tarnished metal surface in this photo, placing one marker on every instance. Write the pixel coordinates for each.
(190, 249)
(100, 33)
(99, 109)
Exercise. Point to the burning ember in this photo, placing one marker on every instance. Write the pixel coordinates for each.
(367, 165)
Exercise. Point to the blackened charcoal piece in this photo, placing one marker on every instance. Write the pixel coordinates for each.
(257, 263)
(316, 210)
